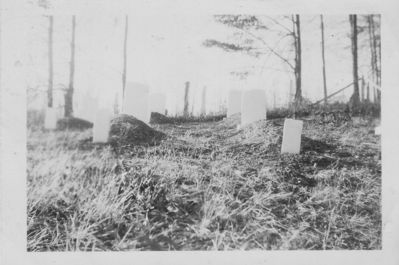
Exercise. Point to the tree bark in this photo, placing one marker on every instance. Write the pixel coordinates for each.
(355, 97)
(203, 102)
(125, 56)
(378, 46)
(375, 48)
(372, 50)
(362, 90)
(377, 56)
(368, 93)
(69, 93)
(187, 88)
(298, 59)
(50, 63)
(324, 60)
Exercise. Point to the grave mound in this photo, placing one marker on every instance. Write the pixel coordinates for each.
(72, 123)
(127, 130)
(158, 118)
(262, 131)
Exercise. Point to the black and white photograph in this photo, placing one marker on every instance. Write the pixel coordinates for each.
(195, 132)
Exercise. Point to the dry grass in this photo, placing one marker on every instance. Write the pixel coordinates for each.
(206, 187)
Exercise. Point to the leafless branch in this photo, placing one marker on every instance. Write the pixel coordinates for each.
(278, 23)
(270, 48)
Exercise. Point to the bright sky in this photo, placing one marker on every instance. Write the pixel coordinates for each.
(166, 50)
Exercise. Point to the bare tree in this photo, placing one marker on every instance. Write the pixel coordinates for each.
(69, 92)
(186, 91)
(251, 26)
(362, 92)
(368, 93)
(50, 63)
(203, 102)
(323, 59)
(375, 51)
(355, 96)
(125, 56)
(298, 58)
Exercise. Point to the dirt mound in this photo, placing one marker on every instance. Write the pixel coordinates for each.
(158, 118)
(72, 123)
(261, 136)
(127, 130)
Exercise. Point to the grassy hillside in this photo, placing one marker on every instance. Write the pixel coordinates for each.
(207, 186)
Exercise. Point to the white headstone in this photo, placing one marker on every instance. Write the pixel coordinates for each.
(157, 103)
(292, 136)
(135, 101)
(377, 130)
(234, 102)
(87, 109)
(253, 106)
(50, 119)
(102, 125)
(60, 112)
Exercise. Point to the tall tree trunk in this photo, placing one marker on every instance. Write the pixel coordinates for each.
(69, 93)
(125, 56)
(373, 56)
(355, 97)
(50, 63)
(363, 85)
(186, 91)
(323, 58)
(298, 59)
(368, 93)
(203, 102)
(375, 50)
(378, 46)
(192, 108)
(291, 93)
(372, 53)
(377, 56)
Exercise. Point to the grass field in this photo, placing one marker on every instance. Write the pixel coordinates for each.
(208, 186)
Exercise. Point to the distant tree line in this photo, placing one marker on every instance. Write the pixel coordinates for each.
(249, 30)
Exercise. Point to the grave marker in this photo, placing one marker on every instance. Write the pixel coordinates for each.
(60, 112)
(253, 106)
(377, 130)
(88, 108)
(102, 125)
(157, 103)
(292, 136)
(50, 120)
(234, 102)
(136, 101)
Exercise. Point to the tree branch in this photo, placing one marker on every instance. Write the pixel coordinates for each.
(278, 23)
(270, 48)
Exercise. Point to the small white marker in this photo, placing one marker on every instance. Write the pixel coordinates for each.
(292, 136)
(377, 130)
